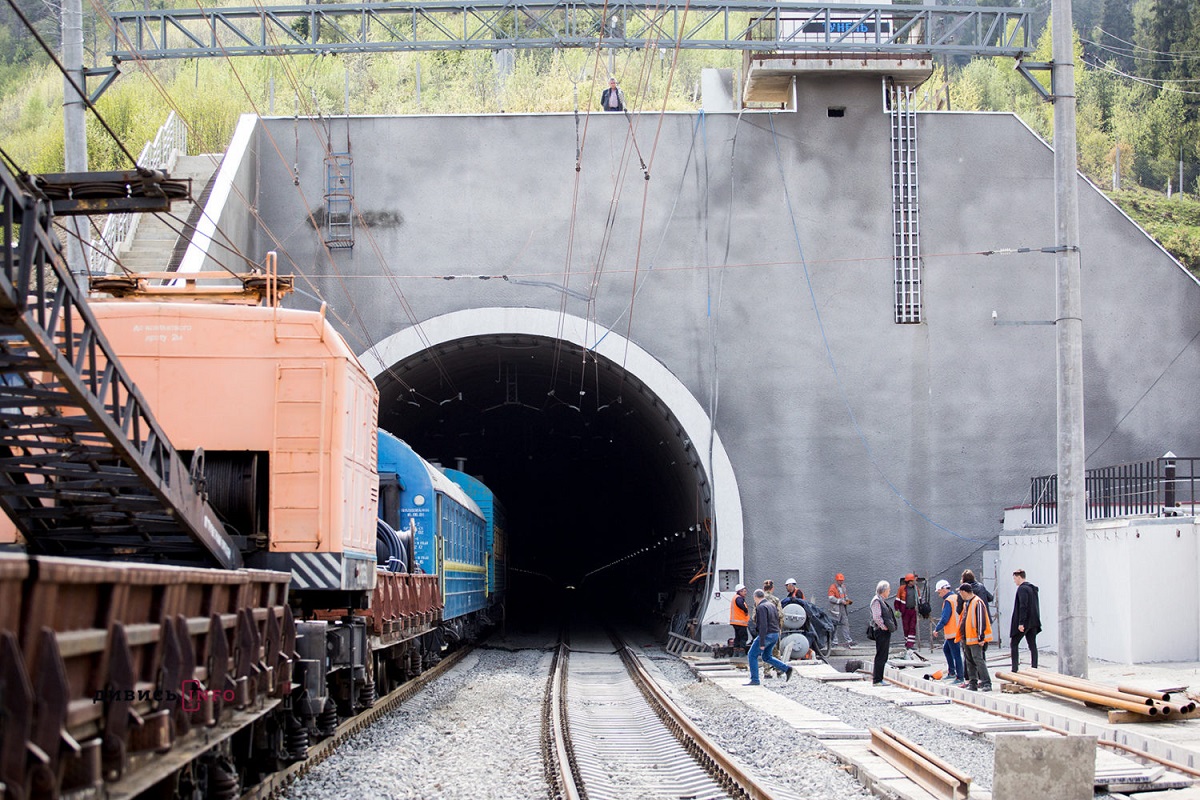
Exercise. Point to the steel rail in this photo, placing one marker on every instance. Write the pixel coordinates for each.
(1124, 748)
(786, 26)
(562, 769)
(707, 752)
(931, 772)
(273, 785)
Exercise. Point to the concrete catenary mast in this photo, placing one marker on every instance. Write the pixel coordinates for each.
(1072, 509)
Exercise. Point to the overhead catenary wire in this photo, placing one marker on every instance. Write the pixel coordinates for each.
(326, 140)
(1130, 53)
(581, 141)
(1163, 85)
(1184, 53)
(310, 215)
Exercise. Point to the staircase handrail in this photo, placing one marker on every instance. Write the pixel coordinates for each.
(119, 229)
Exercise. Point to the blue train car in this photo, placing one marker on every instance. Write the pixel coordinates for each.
(448, 529)
(497, 525)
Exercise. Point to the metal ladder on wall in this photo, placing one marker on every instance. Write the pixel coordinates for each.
(85, 469)
(906, 226)
(339, 200)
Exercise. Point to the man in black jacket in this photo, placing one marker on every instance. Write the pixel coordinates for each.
(767, 628)
(1026, 619)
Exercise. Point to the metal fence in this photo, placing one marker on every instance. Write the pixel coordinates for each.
(1167, 485)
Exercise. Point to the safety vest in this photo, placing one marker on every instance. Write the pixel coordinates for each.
(736, 615)
(976, 622)
(950, 629)
(835, 591)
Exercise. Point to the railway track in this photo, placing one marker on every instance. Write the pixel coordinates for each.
(276, 783)
(612, 732)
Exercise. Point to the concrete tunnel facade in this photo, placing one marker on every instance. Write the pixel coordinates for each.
(751, 276)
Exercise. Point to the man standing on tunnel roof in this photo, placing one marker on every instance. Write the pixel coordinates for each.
(612, 98)
(839, 609)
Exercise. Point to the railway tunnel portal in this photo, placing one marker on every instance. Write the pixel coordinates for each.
(601, 455)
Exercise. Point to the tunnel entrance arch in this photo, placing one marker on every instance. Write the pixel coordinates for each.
(417, 368)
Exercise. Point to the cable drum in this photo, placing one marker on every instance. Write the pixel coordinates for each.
(232, 482)
(390, 552)
(794, 645)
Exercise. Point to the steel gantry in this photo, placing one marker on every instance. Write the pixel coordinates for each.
(783, 26)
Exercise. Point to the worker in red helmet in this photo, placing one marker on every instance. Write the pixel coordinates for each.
(906, 604)
(839, 610)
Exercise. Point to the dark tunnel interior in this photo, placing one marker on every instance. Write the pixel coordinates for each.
(607, 498)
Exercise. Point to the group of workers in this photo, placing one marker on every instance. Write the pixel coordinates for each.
(744, 616)
(964, 623)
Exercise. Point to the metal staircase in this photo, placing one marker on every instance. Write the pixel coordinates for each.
(85, 469)
(906, 224)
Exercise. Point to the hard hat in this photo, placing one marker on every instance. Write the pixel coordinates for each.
(790, 581)
(839, 577)
(740, 586)
(910, 577)
(942, 585)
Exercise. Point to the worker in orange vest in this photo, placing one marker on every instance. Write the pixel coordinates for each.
(948, 626)
(975, 630)
(739, 617)
(839, 610)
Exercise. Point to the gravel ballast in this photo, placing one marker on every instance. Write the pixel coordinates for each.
(476, 732)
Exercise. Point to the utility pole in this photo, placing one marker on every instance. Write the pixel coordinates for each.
(74, 128)
(1072, 502)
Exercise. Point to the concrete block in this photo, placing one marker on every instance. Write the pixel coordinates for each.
(1046, 768)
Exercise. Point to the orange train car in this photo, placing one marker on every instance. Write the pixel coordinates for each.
(284, 417)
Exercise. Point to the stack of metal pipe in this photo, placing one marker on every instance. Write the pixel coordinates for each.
(1147, 702)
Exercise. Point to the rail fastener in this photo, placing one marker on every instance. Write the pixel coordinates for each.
(932, 773)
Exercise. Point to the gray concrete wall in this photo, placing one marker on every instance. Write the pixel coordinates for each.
(906, 454)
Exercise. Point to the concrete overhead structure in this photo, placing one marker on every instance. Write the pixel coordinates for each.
(756, 268)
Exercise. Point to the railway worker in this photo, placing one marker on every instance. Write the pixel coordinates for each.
(794, 595)
(975, 629)
(1026, 620)
(767, 626)
(739, 617)
(769, 592)
(839, 609)
(981, 592)
(883, 622)
(612, 98)
(906, 604)
(948, 626)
